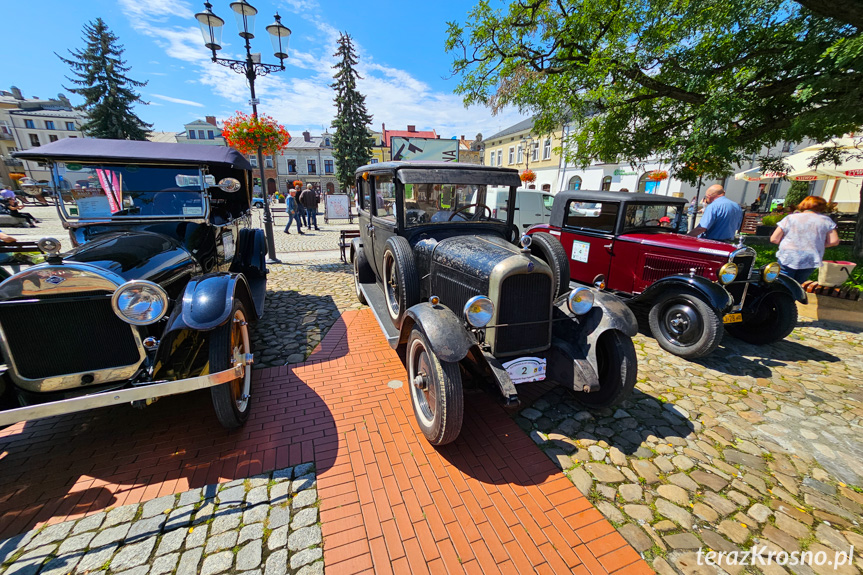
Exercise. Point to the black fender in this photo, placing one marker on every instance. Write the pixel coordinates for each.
(208, 301)
(356, 244)
(574, 341)
(716, 295)
(782, 284)
(449, 339)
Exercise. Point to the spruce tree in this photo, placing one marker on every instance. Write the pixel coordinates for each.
(108, 93)
(351, 143)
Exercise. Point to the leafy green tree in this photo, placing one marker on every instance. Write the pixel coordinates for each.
(703, 84)
(351, 143)
(108, 93)
(796, 194)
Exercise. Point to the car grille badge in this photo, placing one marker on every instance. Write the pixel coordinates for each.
(530, 266)
(55, 280)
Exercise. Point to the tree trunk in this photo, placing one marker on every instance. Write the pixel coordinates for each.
(858, 230)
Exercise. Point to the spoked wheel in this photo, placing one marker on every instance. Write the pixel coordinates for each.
(774, 319)
(401, 284)
(617, 368)
(436, 391)
(229, 346)
(685, 325)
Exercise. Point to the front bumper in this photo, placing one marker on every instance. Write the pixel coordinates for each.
(117, 397)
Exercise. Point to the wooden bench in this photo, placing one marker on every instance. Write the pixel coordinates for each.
(750, 222)
(345, 237)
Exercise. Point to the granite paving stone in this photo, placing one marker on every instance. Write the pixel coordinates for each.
(305, 557)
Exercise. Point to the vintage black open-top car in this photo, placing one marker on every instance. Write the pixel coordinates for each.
(461, 302)
(157, 293)
(631, 245)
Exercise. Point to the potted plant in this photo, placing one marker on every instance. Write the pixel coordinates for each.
(768, 223)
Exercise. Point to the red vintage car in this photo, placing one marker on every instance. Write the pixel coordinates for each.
(632, 245)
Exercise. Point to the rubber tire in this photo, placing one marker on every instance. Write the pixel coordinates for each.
(548, 248)
(406, 278)
(362, 273)
(445, 424)
(227, 411)
(618, 370)
(768, 324)
(710, 337)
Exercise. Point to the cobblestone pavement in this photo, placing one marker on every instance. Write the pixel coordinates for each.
(268, 522)
(311, 240)
(303, 302)
(750, 446)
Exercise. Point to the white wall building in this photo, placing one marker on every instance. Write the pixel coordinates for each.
(310, 160)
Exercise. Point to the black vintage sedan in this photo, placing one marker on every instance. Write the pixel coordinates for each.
(157, 293)
(465, 305)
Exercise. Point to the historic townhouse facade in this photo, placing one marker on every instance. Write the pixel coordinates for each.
(310, 160)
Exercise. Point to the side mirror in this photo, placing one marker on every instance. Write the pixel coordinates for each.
(229, 185)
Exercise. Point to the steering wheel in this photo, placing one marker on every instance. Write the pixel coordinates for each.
(475, 216)
(647, 222)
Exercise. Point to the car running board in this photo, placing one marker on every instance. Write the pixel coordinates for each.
(376, 299)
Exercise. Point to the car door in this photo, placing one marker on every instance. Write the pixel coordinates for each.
(364, 205)
(530, 209)
(588, 239)
(384, 222)
(547, 203)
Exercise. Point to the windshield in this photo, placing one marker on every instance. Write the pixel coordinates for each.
(441, 203)
(655, 217)
(108, 191)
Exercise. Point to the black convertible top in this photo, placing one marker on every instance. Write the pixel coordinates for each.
(558, 209)
(96, 150)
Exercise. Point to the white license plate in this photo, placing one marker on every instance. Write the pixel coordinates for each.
(525, 369)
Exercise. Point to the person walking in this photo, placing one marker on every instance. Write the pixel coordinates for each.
(309, 200)
(721, 218)
(292, 208)
(301, 210)
(802, 238)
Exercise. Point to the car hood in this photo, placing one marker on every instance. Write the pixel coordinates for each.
(475, 255)
(680, 242)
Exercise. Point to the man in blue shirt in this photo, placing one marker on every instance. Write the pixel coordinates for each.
(721, 219)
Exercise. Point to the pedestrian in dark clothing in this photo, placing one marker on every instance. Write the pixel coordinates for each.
(292, 209)
(309, 200)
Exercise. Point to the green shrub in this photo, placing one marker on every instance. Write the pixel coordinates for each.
(798, 192)
(772, 219)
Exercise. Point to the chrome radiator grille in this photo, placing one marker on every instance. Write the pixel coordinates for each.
(657, 267)
(523, 298)
(54, 337)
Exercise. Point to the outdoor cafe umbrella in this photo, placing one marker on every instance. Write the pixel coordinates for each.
(844, 143)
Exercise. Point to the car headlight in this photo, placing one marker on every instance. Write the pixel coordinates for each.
(478, 311)
(771, 271)
(580, 300)
(727, 273)
(140, 302)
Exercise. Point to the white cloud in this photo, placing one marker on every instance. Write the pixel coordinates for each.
(178, 100)
(300, 97)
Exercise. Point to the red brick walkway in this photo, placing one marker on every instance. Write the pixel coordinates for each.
(490, 502)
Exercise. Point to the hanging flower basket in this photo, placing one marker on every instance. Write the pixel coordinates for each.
(528, 176)
(657, 175)
(296, 183)
(246, 134)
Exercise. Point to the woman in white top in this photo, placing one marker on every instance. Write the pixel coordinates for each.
(802, 238)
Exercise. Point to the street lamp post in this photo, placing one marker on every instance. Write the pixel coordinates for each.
(527, 145)
(251, 67)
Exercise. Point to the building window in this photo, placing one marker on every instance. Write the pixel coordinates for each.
(211, 135)
(313, 169)
(70, 126)
(500, 157)
(200, 134)
(328, 166)
(254, 161)
(34, 139)
(787, 148)
(292, 166)
(512, 155)
(546, 149)
(574, 183)
(49, 125)
(606, 184)
(327, 142)
(647, 185)
(374, 161)
(534, 151)
(519, 155)
(491, 159)
(52, 138)
(268, 161)
(192, 135)
(29, 124)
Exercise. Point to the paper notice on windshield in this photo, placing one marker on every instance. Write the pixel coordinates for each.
(193, 211)
(94, 207)
(580, 251)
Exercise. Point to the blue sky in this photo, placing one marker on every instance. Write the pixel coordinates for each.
(400, 45)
